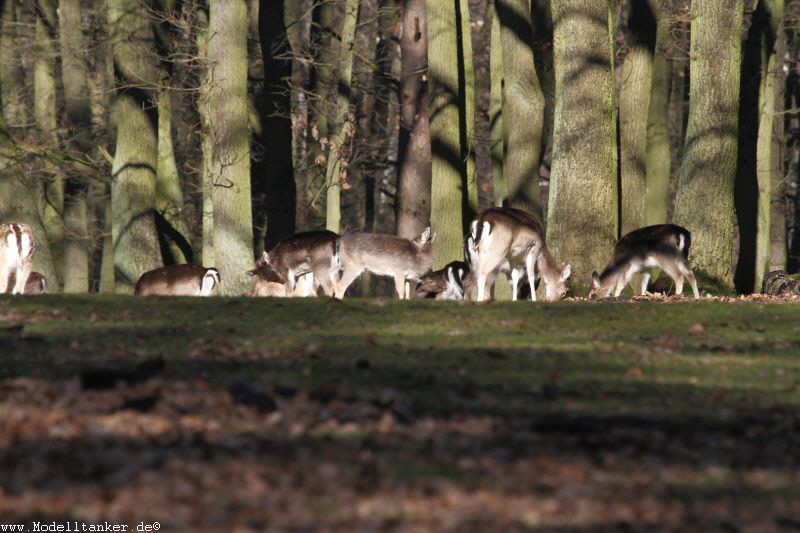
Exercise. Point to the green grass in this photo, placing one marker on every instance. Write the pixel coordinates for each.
(618, 390)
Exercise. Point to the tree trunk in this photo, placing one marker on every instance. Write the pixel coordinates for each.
(496, 114)
(709, 161)
(582, 214)
(447, 169)
(204, 110)
(134, 171)
(12, 75)
(467, 108)
(277, 126)
(298, 17)
(522, 99)
(414, 177)
(230, 150)
(657, 159)
(778, 220)
(343, 128)
(634, 102)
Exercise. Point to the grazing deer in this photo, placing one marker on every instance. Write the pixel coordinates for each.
(444, 284)
(405, 260)
(269, 283)
(664, 246)
(35, 284)
(16, 256)
(511, 240)
(294, 257)
(178, 280)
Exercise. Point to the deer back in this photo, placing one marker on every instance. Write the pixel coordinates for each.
(302, 251)
(177, 280)
(385, 254)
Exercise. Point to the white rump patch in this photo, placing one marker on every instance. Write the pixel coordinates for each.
(210, 280)
(25, 246)
(681, 242)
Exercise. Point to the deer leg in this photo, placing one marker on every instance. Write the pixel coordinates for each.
(624, 279)
(644, 282)
(671, 268)
(348, 275)
(400, 286)
(324, 277)
(515, 275)
(530, 267)
(686, 271)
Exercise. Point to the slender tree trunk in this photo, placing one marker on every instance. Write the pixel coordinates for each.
(634, 102)
(134, 171)
(467, 107)
(447, 171)
(230, 150)
(204, 110)
(298, 18)
(778, 220)
(709, 162)
(522, 99)
(657, 160)
(496, 114)
(582, 214)
(277, 130)
(414, 177)
(343, 129)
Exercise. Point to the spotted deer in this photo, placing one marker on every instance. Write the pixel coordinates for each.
(446, 283)
(178, 280)
(511, 240)
(35, 284)
(405, 260)
(16, 256)
(664, 246)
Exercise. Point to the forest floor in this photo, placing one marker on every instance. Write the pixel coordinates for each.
(376, 415)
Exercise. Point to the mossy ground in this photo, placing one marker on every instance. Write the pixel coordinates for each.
(406, 416)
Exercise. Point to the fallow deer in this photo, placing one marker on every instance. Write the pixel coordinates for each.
(664, 246)
(511, 239)
(269, 283)
(405, 260)
(294, 257)
(444, 284)
(178, 280)
(16, 256)
(35, 284)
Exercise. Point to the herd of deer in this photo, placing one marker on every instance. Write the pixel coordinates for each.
(501, 240)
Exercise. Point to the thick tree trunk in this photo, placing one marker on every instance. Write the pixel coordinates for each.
(657, 160)
(496, 114)
(634, 103)
(448, 191)
(230, 149)
(467, 107)
(414, 177)
(204, 110)
(134, 171)
(582, 214)
(522, 99)
(343, 129)
(277, 126)
(778, 221)
(12, 76)
(709, 161)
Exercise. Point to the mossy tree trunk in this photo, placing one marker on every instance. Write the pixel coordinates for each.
(524, 101)
(343, 128)
(15, 108)
(77, 110)
(230, 143)
(778, 220)
(133, 185)
(582, 214)
(448, 172)
(414, 175)
(708, 169)
(634, 103)
(467, 108)
(657, 159)
(204, 110)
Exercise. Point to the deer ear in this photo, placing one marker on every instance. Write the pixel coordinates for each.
(265, 257)
(425, 235)
(595, 280)
(566, 272)
(251, 272)
(433, 237)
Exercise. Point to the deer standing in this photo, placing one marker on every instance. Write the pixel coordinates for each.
(16, 256)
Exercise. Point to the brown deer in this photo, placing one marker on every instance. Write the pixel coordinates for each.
(35, 284)
(511, 240)
(16, 256)
(405, 260)
(446, 283)
(664, 246)
(178, 280)
(268, 282)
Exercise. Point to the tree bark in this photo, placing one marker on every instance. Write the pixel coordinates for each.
(134, 170)
(467, 107)
(582, 214)
(709, 162)
(657, 159)
(447, 169)
(634, 103)
(414, 177)
(522, 99)
(778, 221)
(496, 114)
(343, 128)
(12, 75)
(230, 138)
